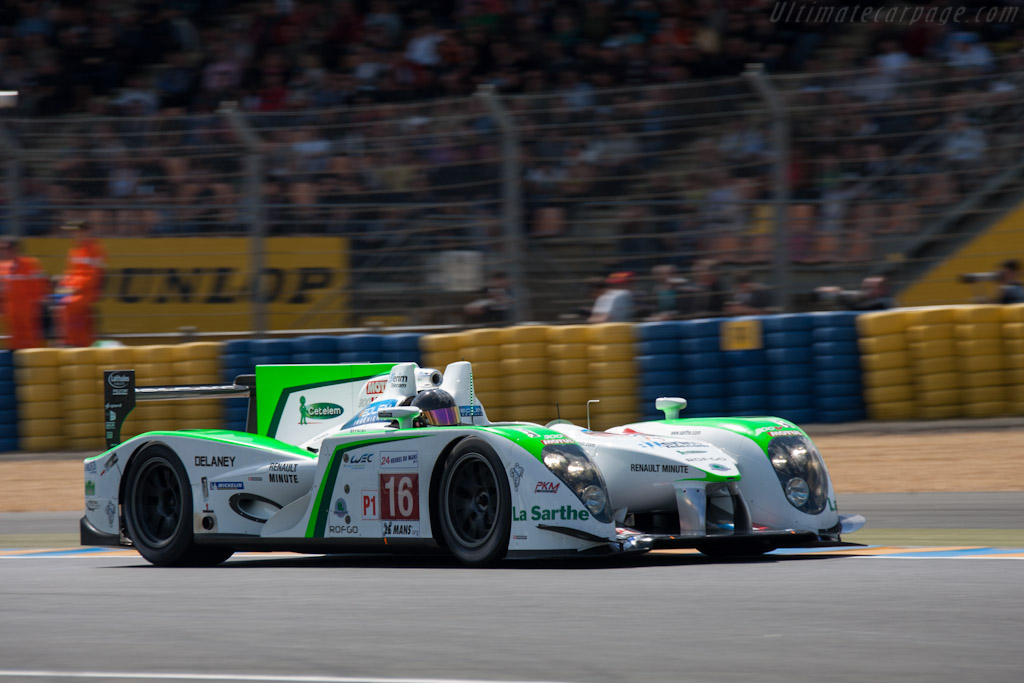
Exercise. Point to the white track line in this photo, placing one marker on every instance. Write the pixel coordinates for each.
(186, 676)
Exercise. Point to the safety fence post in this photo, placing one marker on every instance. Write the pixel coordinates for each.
(13, 162)
(780, 181)
(252, 200)
(512, 202)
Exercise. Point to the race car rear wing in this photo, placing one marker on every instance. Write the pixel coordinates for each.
(120, 395)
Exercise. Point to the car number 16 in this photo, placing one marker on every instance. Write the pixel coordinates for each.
(400, 496)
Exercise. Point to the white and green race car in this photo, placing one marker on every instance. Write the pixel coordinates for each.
(393, 457)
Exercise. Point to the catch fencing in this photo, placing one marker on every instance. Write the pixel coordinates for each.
(796, 181)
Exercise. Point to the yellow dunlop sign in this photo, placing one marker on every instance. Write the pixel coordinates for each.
(162, 284)
(741, 335)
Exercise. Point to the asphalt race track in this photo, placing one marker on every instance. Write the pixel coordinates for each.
(874, 614)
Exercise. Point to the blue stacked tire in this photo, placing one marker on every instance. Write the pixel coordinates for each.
(315, 350)
(401, 348)
(747, 385)
(271, 351)
(360, 348)
(837, 373)
(8, 404)
(789, 340)
(703, 370)
(658, 362)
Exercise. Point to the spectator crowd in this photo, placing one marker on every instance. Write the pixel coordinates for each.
(634, 131)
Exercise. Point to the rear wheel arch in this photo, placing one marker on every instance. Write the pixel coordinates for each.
(123, 483)
(171, 489)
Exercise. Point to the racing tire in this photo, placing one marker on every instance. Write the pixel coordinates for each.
(158, 512)
(474, 504)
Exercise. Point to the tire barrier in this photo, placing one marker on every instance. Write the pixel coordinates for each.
(8, 404)
(886, 361)
(978, 333)
(611, 353)
(659, 364)
(568, 366)
(237, 360)
(523, 368)
(39, 404)
(154, 366)
(933, 353)
(198, 363)
(836, 384)
(1013, 346)
(923, 363)
(703, 373)
(788, 341)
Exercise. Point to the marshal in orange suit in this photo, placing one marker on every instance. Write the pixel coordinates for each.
(23, 284)
(81, 286)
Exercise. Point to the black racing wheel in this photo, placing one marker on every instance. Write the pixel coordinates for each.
(475, 504)
(158, 511)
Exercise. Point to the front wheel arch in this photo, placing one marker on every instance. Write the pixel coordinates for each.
(434, 489)
(473, 490)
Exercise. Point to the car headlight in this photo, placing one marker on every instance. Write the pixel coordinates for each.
(801, 472)
(797, 491)
(570, 464)
(595, 499)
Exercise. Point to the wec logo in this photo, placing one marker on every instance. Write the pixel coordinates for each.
(358, 461)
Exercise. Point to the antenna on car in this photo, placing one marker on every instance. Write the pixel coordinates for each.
(558, 411)
(593, 400)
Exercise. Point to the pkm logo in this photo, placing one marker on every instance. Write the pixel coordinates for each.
(546, 487)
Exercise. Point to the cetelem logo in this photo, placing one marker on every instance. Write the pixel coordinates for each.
(324, 411)
(318, 411)
(118, 381)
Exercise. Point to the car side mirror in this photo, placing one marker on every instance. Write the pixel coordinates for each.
(404, 414)
(670, 406)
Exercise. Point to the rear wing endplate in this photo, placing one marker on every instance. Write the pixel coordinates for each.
(120, 395)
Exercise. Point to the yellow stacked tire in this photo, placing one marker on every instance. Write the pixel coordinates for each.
(980, 360)
(568, 334)
(611, 351)
(482, 348)
(886, 360)
(154, 367)
(933, 357)
(1013, 347)
(525, 378)
(198, 363)
(37, 376)
(441, 349)
(81, 381)
(568, 369)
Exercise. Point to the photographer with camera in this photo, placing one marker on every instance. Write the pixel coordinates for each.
(1011, 291)
(873, 295)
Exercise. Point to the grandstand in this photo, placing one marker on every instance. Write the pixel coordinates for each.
(619, 137)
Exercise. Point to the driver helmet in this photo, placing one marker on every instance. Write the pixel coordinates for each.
(438, 409)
